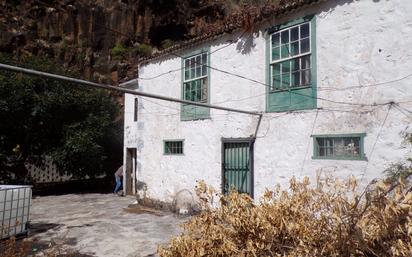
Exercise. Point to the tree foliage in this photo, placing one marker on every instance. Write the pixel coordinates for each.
(402, 169)
(74, 125)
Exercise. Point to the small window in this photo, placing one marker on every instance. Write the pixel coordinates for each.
(173, 147)
(349, 147)
(135, 109)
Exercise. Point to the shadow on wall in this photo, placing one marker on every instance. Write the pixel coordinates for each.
(246, 43)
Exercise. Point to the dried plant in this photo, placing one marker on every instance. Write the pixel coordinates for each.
(13, 248)
(326, 219)
(22, 248)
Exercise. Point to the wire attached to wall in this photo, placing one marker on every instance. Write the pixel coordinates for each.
(308, 145)
(376, 141)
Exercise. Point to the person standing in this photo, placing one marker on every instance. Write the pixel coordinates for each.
(118, 175)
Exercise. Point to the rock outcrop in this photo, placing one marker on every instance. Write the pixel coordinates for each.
(100, 38)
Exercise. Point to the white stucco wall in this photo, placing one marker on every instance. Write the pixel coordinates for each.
(358, 43)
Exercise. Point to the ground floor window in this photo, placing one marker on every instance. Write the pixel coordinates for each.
(173, 147)
(346, 146)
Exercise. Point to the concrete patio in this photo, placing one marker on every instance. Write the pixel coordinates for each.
(100, 225)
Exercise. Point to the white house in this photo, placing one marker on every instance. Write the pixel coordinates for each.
(333, 80)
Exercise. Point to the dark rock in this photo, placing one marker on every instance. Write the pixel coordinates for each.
(81, 34)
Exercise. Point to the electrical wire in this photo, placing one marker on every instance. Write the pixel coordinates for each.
(403, 108)
(376, 141)
(256, 81)
(261, 83)
(173, 108)
(181, 68)
(290, 91)
(356, 111)
(308, 145)
(269, 86)
(403, 112)
(364, 86)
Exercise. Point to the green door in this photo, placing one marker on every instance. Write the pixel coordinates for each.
(237, 166)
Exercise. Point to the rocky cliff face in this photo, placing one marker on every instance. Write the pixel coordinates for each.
(102, 38)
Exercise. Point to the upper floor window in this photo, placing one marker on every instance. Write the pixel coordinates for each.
(291, 71)
(290, 57)
(195, 78)
(195, 84)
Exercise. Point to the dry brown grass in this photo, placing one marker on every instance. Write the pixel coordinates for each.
(23, 247)
(13, 248)
(327, 219)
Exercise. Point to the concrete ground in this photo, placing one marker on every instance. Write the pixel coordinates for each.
(100, 225)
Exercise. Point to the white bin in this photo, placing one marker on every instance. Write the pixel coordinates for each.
(15, 204)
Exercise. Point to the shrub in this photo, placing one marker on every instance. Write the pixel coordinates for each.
(26, 247)
(167, 43)
(143, 50)
(329, 219)
(401, 169)
(12, 248)
(119, 51)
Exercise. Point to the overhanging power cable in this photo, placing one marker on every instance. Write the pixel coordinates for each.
(120, 89)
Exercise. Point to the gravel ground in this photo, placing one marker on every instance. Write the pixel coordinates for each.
(100, 225)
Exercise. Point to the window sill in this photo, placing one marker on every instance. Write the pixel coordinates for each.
(288, 109)
(289, 89)
(195, 119)
(363, 158)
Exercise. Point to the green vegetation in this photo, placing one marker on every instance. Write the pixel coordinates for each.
(167, 43)
(143, 50)
(403, 169)
(40, 117)
(119, 51)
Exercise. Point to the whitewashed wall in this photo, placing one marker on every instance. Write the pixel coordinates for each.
(358, 43)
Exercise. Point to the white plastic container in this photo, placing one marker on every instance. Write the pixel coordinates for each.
(15, 204)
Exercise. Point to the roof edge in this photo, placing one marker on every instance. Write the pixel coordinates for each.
(281, 12)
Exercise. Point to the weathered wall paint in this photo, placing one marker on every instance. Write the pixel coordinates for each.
(358, 43)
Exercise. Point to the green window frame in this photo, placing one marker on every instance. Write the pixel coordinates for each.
(291, 66)
(173, 147)
(339, 147)
(196, 84)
